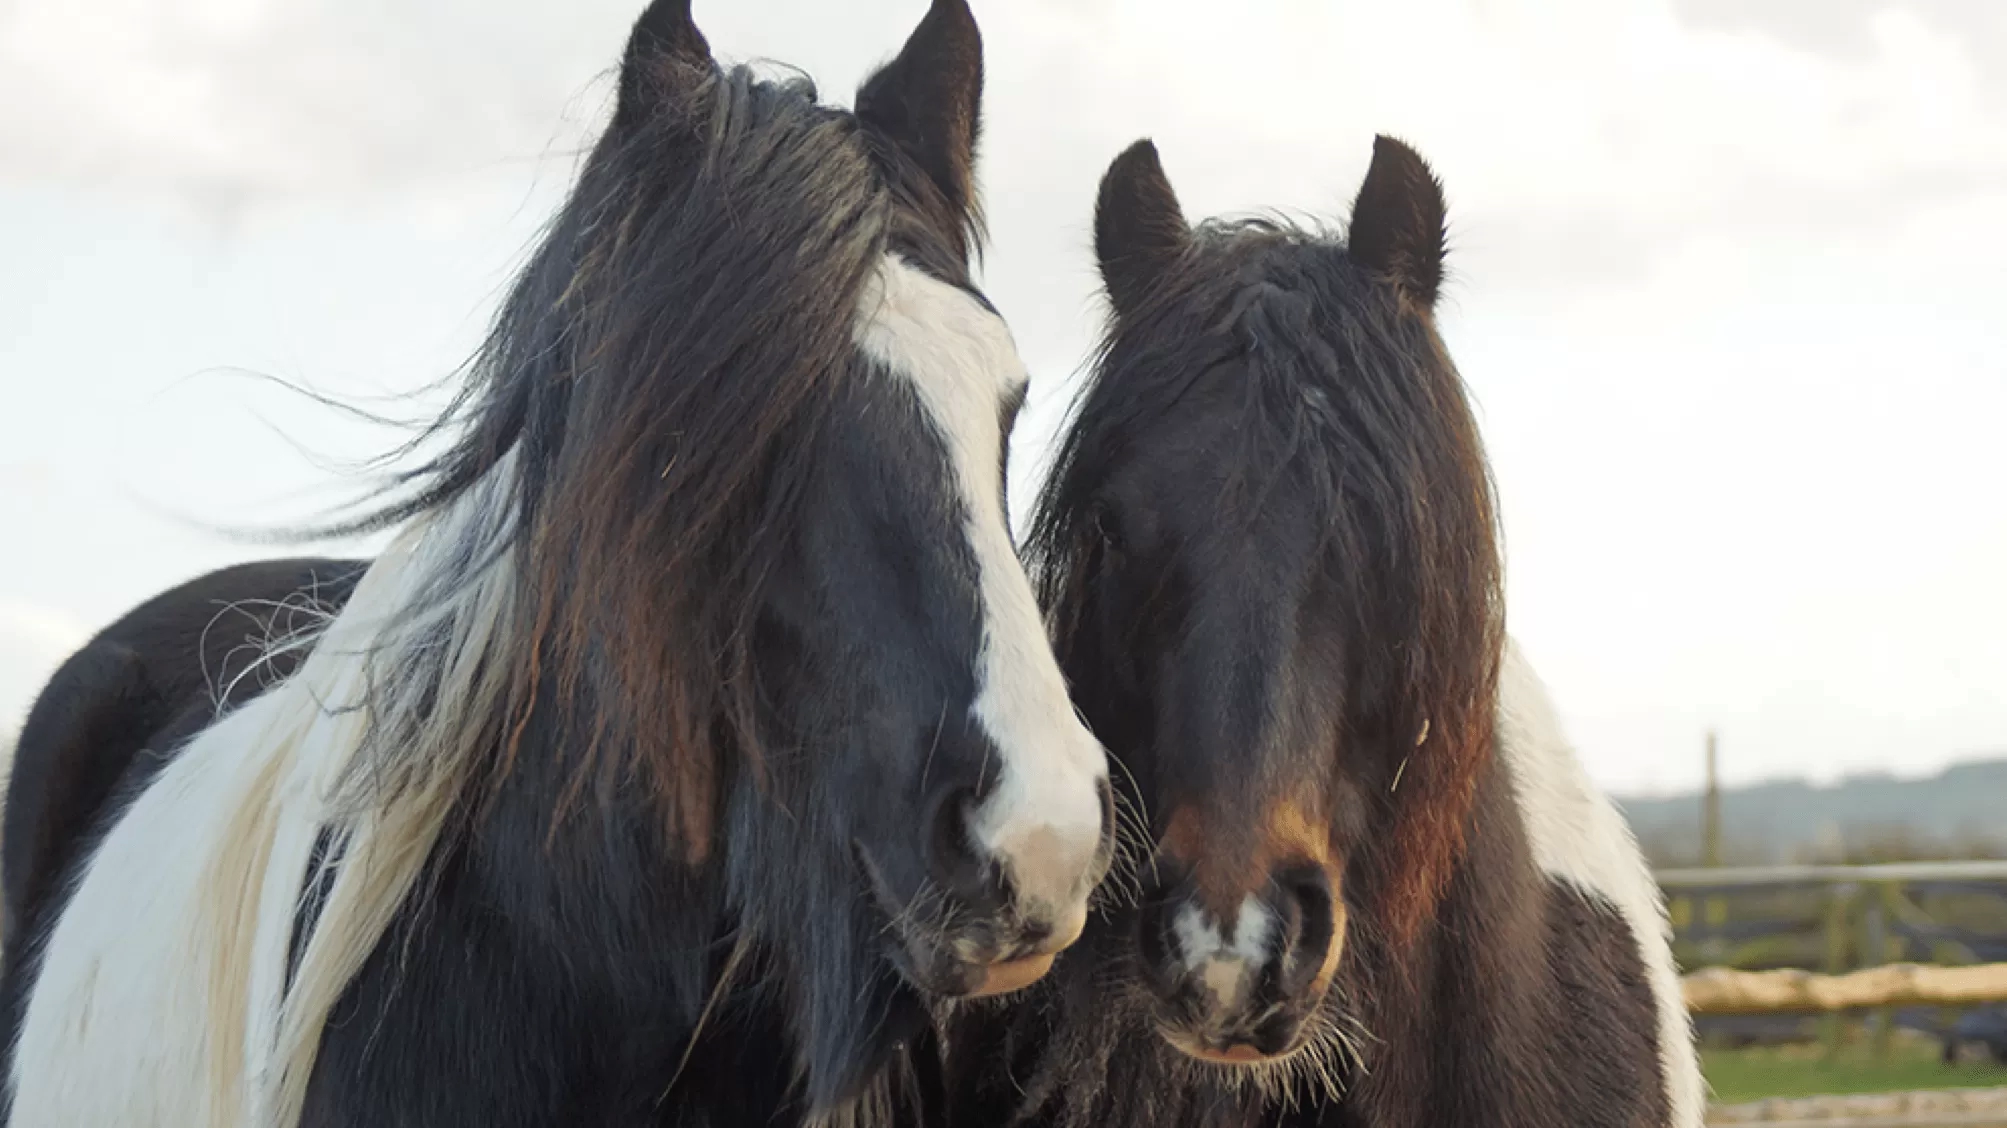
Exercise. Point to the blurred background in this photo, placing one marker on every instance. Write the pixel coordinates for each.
(1728, 291)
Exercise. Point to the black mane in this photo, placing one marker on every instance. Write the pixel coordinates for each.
(698, 420)
(647, 401)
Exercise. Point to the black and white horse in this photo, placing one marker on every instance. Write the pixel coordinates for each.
(1376, 888)
(162, 672)
(698, 729)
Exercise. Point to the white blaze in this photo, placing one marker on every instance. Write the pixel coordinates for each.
(1042, 819)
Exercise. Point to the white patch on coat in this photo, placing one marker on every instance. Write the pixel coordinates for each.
(1042, 819)
(1578, 836)
(159, 1000)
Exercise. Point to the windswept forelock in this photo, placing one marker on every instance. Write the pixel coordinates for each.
(699, 421)
(673, 343)
(625, 428)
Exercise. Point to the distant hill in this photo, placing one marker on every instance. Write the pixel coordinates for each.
(1961, 812)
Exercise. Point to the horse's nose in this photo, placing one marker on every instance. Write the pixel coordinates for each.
(1051, 862)
(1031, 870)
(997, 937)
(1310, 919)
(1225, 978)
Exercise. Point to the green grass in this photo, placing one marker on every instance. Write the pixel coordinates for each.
(1804, 1071)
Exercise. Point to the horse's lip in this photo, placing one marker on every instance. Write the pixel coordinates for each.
(1240, 1053)
(1012, 975)
(933, 968)
(930, 962)
(1223, 1051)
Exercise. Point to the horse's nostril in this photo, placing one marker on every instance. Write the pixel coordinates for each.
(1310, 925)
(1309, 889)
(952, 854)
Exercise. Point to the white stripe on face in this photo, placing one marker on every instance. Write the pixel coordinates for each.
(1042, 819)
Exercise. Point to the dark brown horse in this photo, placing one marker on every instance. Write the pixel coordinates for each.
(1373, 886)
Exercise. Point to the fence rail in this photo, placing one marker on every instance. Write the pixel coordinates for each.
(1720, 990)
(1957, 1108)
(1953, 1120)
(1912, 942)
(1703, 877)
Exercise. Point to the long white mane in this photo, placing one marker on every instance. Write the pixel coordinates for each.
(175, 960)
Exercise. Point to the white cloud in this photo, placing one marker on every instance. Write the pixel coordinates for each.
(34, 640)
(226, 103)
(1603, 107)
(40, 633)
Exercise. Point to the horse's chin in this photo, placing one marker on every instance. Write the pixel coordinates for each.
(930, 967)
(1277, 1041)
(1008, 976)
(1229, 1052)
(972, 963)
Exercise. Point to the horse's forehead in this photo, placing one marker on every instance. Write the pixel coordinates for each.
(954, 348)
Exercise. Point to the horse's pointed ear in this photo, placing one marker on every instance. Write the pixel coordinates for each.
(1397, 221)
(664, 39)
(1139, 229)
(928, 100)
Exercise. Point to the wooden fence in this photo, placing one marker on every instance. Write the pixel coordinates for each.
(1960, 1108)
(1857, 926)
(1720, 990)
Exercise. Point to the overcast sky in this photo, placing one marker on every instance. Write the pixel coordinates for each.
(1728, 293)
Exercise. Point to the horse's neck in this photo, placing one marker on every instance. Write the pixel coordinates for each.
(1445, 1037)
(1531, 1000)
(600, 861)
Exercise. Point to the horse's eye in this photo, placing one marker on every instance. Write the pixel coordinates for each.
(1102, 520)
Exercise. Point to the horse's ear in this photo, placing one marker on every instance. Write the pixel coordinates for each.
(1397, 221)
(665, 40)
(928, 100)
(1139, 229)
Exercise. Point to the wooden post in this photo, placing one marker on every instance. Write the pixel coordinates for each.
(1832, 1026)
(1710, 812)
(1714, 910)
(1874, 951)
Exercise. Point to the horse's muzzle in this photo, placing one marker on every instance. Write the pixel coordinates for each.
(1242, 987)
